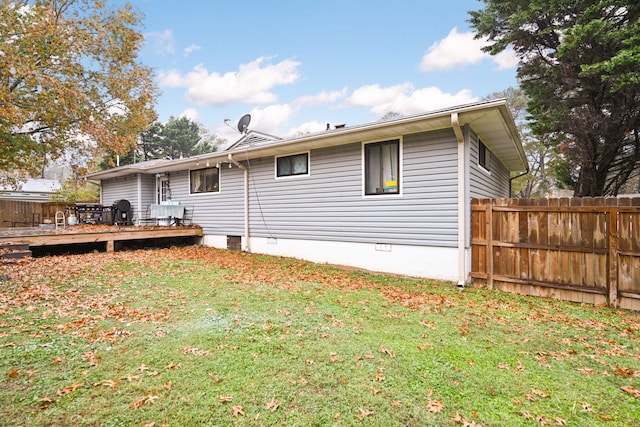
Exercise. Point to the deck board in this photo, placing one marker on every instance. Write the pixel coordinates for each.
(37, 236)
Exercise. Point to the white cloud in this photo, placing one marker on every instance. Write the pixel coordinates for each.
(506, 59)
(190, 113)
(405, 99)
(321, 98)
(308, 127)
(459, 49)
(191, 48)
(251, 83)
(161, 42)
(271, 118)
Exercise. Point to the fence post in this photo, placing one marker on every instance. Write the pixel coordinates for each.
(489, 238)
(613, 257)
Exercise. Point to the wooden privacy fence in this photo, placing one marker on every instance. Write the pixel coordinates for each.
(18, 213)
(576, 249)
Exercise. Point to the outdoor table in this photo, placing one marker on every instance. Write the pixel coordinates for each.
(167, 214)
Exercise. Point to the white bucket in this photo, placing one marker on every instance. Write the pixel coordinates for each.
(72, 220)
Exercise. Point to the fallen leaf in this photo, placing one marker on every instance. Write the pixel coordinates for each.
(138, 403)
(435, 405)
(539, 392)
(543, 421)
(586, 406)
(631, 390)
(225, 398)
(272, 405)
(363, 413)
(560, 421)
(385, 350)
(238, 410)
(107, 383)
(375, 391)
(69, 389)
(144, 400)
(624, 372)
(91, 358)
(527, 415)
(13, 372)
(214, 377)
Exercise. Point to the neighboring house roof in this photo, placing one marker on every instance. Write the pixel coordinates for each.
(34, 189)
(491, 120)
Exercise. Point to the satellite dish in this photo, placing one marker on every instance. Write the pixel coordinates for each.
(243, 123)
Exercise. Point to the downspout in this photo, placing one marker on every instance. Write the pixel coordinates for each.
(462, 203)
(247, 245)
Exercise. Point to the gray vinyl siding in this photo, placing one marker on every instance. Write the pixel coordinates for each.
(329, 203)
(115, 189)
(486, 184)
(148, 188)
(218, 213)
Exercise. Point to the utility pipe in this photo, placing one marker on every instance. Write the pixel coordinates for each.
(462, 202)
(247, 245)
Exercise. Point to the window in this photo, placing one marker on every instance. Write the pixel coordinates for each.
(381, 167)
(484, 156)
(292, 165)
(204, 180)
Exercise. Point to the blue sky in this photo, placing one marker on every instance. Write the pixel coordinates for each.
(297, 65)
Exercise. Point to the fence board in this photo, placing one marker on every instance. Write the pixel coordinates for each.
(19, 213)
(571, 248)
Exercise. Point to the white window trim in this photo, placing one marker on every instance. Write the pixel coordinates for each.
(400, 169)
(206, 193)
(298, 176)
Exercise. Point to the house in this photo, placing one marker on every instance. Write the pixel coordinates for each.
(390, 196)
(31, 190)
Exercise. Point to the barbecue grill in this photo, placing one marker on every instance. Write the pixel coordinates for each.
(122, 212)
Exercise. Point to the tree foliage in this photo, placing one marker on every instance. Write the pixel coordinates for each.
(579, 63)
(69, 81)
(177, 138)
(539, 180)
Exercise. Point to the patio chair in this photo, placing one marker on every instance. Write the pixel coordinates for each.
(60, 219)
(144, 217)
(187, 218)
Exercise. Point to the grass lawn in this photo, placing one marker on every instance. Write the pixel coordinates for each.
(198, 336)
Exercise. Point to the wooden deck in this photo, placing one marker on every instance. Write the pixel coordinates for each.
(78, 234)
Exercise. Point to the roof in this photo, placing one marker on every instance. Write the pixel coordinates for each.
(31, 189)
(253, 138)
(491, 120)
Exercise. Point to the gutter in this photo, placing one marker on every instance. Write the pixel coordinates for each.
(462, 205)
(247, 245)
(516, 177)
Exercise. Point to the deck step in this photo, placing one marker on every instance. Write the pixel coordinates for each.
(12, 252)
